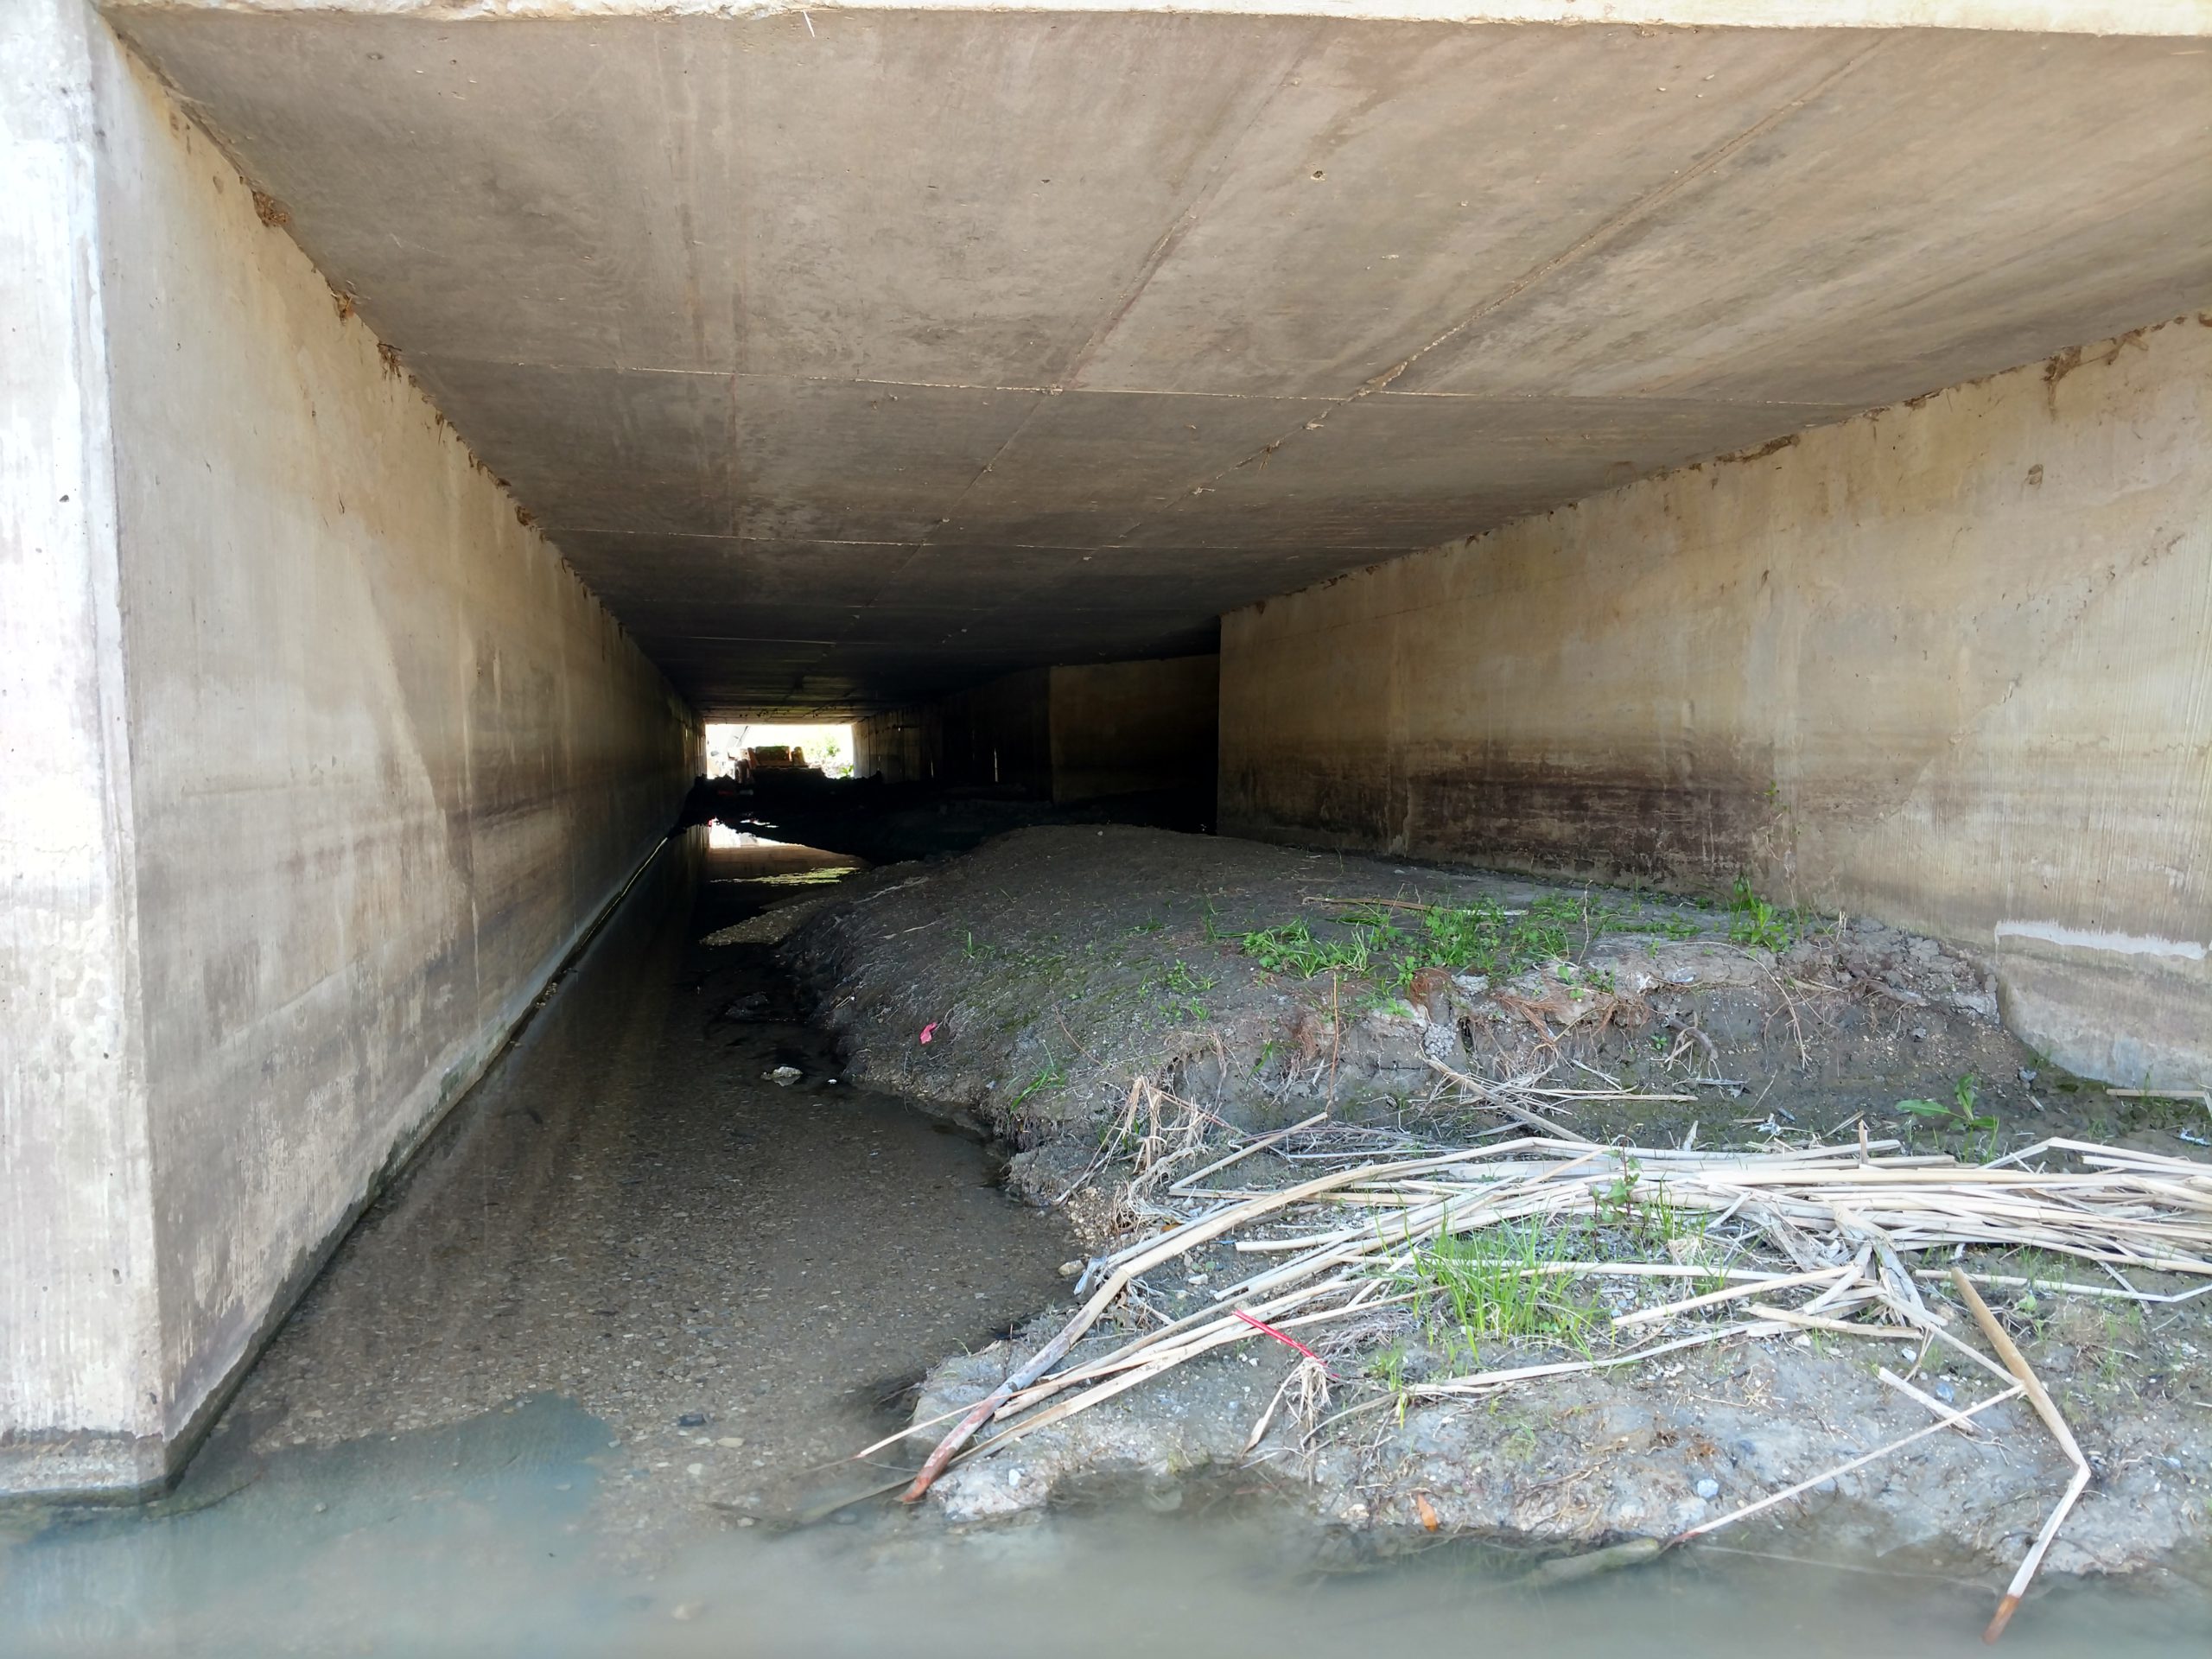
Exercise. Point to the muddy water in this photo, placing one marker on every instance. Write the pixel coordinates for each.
(569, 1386)
(486, 1538)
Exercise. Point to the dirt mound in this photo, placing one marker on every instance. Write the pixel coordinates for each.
(1052, 984)
(1024, 984)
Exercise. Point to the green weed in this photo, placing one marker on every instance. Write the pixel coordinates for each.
(1667, 927)
(1493, 1283)
(1481, 937)
(1979, 1131)
(1050, 1078)
(1646, 1210)
(1752, 921)
(1181, 981)
(1291, 949)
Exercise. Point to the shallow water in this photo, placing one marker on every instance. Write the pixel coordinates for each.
(481, 1538)
(478, 1433)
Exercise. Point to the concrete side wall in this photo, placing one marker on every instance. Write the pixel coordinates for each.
(1074, 732)
(387, 758)
(1950, 664)
(998, 732)
(78, 1327)
(1001, 733)
(901, 745)
(1126, 729)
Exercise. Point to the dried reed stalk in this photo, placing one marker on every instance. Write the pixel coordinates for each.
(1847, 1217)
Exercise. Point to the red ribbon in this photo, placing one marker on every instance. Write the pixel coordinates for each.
(1283, 1337)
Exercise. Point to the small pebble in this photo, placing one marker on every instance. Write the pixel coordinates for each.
(1943, 1390)
(1707, 1489)
(692, 1419)
(695, 1470)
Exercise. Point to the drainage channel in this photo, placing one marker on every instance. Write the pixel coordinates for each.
(660, 1271)
(569, 1386)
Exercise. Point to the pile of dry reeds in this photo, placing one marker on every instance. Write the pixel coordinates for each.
(1821, 1238)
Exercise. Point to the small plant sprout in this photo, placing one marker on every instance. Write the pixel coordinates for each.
(1049, 1078)
(1754, 922)
(1978, 1130)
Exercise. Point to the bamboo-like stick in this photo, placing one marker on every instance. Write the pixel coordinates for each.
(1244, 1152)
(1714, 1299)
(1957, 1419)
(1485, 1382)
(2014, 1282)
(1519, 1114)
(1176, 1244)
(2046, 1408)
(1860, 1462)
(2126, 1209)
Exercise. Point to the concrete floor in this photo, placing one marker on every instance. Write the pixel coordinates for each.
(628, 1214)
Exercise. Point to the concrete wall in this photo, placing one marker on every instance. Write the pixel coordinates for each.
(1949, 663)
(1072, 733)
(374, 757)
(1000, 733)
(78, 1323)
(901, 745)
(996, 733)
(1127, 729)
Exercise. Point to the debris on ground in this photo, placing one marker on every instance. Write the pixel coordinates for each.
(1559, 1214)
(1574, 1258)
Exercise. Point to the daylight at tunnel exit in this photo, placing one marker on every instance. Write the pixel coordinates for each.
(1220, 827)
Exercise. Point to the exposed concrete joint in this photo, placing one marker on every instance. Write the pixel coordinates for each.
(1178, 228)
(1066, 384)
(2140, 17)
(1169, 239)
(1629, 215)
(1187, 219)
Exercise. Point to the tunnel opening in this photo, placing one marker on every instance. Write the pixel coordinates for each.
(680, 796)
(735, 749)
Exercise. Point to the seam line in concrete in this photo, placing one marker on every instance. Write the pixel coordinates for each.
(1631, 213)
